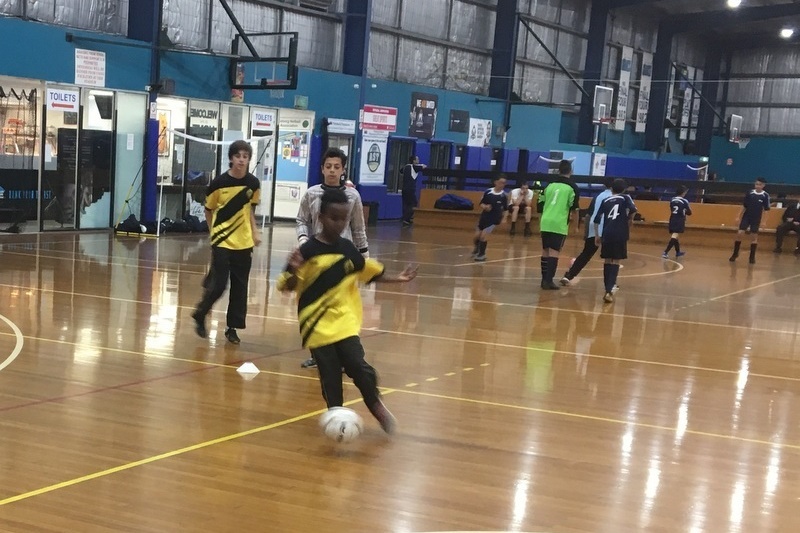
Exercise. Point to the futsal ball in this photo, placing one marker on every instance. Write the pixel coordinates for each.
(341, 424)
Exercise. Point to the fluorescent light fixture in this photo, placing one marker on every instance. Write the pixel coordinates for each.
(787, 33)
(733, 4)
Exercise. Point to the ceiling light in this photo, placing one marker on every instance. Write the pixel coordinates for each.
(733, 4)
(787, 33)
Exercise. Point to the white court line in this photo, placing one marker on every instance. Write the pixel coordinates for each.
(17, 348)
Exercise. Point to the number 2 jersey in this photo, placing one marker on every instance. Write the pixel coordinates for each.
(678, 211)
(615, 213)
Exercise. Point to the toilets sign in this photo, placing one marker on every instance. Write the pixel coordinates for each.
(61, 100)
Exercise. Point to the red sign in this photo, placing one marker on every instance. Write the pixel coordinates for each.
(377, 118)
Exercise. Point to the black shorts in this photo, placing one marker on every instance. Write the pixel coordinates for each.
(614, 250)
(553, 241)
(677, 226)
(486, 223)
(749, 224)
(522, 207)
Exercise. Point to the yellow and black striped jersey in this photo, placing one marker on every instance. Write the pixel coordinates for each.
(232, 200)
(328, 301)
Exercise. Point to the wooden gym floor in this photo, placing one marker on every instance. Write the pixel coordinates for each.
(672, 410)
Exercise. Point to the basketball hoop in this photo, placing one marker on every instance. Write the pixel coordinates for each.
(742, 142)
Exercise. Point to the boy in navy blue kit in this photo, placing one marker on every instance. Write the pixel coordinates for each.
(755, 203)
(616, 214)
(494, 209)
(678, 211)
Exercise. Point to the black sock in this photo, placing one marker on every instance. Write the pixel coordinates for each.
(612, 277)
(483, 248)
(552, 265)
(544, 269)
(513, 225)
(670, 245)
(606, 275)
(677, 246)
(753, 251)
(736, 246)
(528, 226)
(477, 244)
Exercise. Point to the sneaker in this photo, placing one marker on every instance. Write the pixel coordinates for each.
(549, 286)
(680, 254)
(797, 251)
(309, 363)
(232, 337)
(565, 281)
(407, 224)
(199, 325)
(752, 260)
(480, 258)
(777, 251)
(527, 232)
(384, 417)
(608, 298)
(512, 231)
(665, 255)
(614, 289)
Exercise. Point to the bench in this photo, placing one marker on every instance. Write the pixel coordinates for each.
(709, 225)
(427, 215)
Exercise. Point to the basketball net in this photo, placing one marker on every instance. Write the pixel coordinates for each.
(742, 142)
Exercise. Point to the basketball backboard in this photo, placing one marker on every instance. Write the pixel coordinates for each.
(603, 100)
(274, 69)
(735, 128)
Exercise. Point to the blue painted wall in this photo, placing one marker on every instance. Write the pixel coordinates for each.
(539, 129)
(41, 52)
(775, 158)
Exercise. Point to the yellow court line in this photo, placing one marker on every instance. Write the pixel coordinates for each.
(167, 455)
(598, 418)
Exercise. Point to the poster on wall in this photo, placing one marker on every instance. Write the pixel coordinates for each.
(686, 106)
(263, 123)
(644, 92)
(422, 118)
(599, 164)
(459, 121)
(293, 150)
(373, 160)
(626, 62)
(480, 132)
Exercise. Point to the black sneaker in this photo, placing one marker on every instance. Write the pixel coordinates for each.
(550, 286)
(777, 251)
(385, 418)
(199, 325)
(309, 363)
(232, 337)
(527, 232)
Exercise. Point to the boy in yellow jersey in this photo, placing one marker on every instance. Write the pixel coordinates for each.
(324, 272)
(230, 201)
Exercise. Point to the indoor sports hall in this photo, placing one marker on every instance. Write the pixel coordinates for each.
(665, 404)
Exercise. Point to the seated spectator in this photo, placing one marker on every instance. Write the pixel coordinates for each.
(521, 200)
(789, 222)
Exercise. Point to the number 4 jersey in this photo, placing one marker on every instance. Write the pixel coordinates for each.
(615, 212)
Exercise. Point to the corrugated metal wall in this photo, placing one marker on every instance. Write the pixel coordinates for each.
(765, 90)
(439, 43)
(108, 16)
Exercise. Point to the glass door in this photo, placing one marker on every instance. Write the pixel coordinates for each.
(129, 167)
(59, 185)
(95, 160)
(171, 114)
(263, 124)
